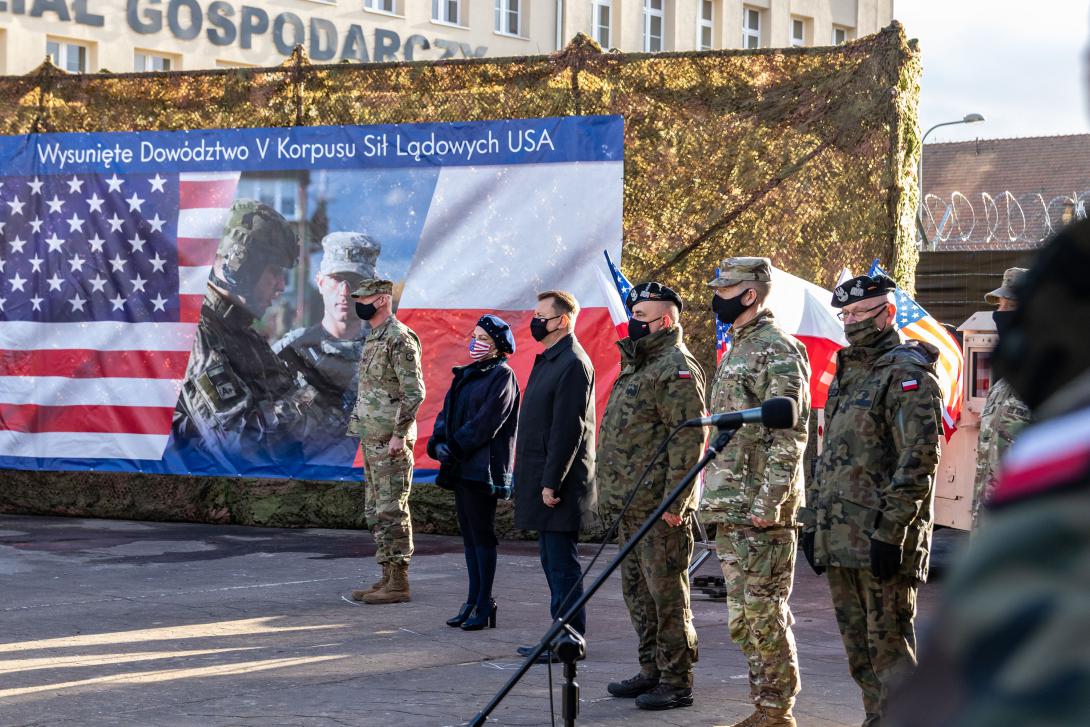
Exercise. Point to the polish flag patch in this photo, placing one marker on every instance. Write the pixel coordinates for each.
(910, 385)
(684, 374)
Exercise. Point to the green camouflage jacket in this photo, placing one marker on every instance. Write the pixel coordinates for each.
(391, 384)
(660, 386)
(876, 474)
(760, 471)
(1003, 418)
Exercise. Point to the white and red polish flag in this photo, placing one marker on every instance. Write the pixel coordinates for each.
(103, 279)
(544, 227)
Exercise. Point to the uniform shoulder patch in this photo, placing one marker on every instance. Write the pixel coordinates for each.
(910, 384)
(1046, 458)
(684, 374)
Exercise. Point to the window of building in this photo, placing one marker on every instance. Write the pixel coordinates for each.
(751, 28)
(601, 17)
(509, 17)
(382, 6)
(798, 32)
(653, 22)
(277, 192)
(840, 35)
(447, 11)
(705, 25)
(234, 64)
(68, 56)
(144, 61)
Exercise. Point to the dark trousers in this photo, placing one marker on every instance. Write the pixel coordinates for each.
(560, 561)
(477, 521)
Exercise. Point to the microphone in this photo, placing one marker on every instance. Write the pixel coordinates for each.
(779, 412)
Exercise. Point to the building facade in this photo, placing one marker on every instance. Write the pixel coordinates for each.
(151, 35)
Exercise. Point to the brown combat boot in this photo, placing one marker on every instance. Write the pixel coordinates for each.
(775, 718)
(377, 585)
(751, 721)
(396, 589)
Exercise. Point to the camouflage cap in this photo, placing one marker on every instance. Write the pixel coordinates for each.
(1012, 278)
(256, 229)
(862, 288)
(373, 286)
(349, 252)
(652, 291)
(735, 270)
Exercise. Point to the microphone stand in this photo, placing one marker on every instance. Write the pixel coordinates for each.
(559, 636)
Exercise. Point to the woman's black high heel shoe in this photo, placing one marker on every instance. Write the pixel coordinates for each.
(480, 618)
(467, 609)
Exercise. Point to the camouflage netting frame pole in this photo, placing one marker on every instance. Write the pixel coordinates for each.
(804, 155)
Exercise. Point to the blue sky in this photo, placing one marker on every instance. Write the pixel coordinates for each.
(1019, 64)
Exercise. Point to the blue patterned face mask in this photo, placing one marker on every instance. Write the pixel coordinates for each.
(479, 349)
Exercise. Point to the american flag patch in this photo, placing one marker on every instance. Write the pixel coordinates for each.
(684, 374)
(910, 385)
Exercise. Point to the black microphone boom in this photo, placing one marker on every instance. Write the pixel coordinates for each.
(779, 412)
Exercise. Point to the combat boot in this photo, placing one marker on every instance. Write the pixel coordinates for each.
(396, 589)
(665, 696)
(358, 595)
(775, 718)
(752, 720)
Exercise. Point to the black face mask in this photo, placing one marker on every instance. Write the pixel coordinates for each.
(366, 311)
(1003, 322)
(727, 310)
(539, 327)
(640, 329)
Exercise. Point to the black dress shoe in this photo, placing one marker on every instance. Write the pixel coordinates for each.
(455, 622)
(665, 696)
(480, 618)
(525, 650)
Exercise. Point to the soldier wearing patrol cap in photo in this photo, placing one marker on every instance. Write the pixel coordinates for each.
(869, 508)
(239, 400)
(326, 355)
(1004, 413)
(660, 386)
(753, 490)
(391, 389)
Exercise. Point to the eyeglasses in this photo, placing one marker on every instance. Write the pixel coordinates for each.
(550, 318)
(859, 315)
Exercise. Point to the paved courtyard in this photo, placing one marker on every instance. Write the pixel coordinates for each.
(137, 623)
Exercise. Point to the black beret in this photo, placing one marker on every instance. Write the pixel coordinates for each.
(499, 332)
(652, 291)
(861, 288)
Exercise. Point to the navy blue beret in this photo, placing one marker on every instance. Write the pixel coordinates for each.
(499, 332)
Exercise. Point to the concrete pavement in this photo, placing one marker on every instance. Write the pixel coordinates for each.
(136, 623)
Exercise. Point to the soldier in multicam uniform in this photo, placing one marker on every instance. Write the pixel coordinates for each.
(240, 406)
(660, 385)
(1004, 413)
(869, 509)
(391, 389)
(1008, 646)
(753, 490)
(327, 354)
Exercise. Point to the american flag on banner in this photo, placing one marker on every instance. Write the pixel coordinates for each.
(615, 287)
(101, 283)
(916, 323)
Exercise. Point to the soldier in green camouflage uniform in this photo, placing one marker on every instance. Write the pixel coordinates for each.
(1004, 413)
(326, 355)
(660, 385)
(869, 509)
(1008, 646)
(391, 389)
(753, 490)
(240, 407)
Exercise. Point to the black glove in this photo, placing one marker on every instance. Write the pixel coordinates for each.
(885, 559)
(442, 453)
(807, 543)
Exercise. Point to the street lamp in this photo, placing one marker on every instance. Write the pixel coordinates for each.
(967, 119)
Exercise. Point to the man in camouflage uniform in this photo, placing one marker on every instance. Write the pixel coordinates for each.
(753, 490)
(869, 508)
(1004, 413)
(240, 407)
(326, 355)
(1008, 646)
(391, 389)
(660, 385)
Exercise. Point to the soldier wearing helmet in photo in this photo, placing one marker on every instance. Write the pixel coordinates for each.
(326, 355)
(239, 401)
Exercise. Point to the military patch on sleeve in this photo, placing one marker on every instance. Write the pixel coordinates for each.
(684, 374)
(220, 385)
(910, 385)
(410, 355)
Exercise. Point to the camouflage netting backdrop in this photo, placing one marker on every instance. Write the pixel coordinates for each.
(804, 155)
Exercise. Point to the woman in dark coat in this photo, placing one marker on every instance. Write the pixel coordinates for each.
(474, 441)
